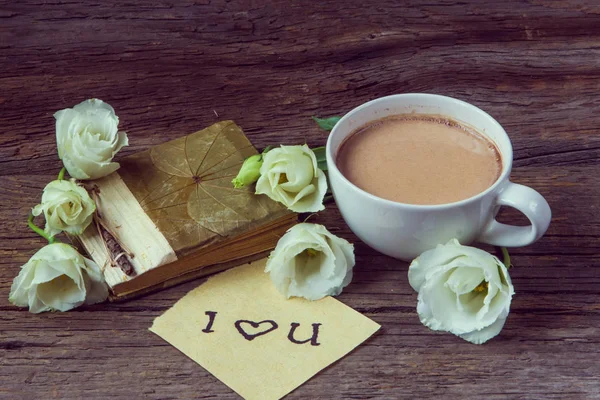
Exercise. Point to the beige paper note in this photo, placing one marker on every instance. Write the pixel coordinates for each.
(263, 346)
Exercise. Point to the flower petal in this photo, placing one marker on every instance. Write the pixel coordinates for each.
(485, 334)
(21, 284)
(433, 258)
(97, 290)
(464, 280)
(61, 293)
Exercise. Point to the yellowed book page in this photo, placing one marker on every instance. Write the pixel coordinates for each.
(257, 342)
(125, 218)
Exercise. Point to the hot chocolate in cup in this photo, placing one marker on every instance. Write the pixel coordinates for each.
(404, 222)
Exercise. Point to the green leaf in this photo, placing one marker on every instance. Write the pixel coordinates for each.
(327, 123)
(321, 158)
(506, 257)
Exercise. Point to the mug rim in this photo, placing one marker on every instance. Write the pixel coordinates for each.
(421, 207)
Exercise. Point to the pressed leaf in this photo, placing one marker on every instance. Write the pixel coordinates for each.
(185, 187)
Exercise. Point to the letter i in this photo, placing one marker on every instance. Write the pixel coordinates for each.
(211, 320)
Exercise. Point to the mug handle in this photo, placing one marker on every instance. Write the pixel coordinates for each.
(530, 203)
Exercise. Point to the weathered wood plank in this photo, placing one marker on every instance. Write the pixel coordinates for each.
(170, 68)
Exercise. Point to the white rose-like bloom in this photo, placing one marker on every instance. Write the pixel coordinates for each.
(289, 175)
(463, 290)
(57, 278)
(88, 138)
(66, 207)
(310, 262)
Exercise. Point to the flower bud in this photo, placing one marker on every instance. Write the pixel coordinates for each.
(249, 173)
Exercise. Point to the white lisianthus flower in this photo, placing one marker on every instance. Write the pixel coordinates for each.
(57, 278)
(289, 175)
(88, 138)
(463, 290)
(310, 262)
(66, 207)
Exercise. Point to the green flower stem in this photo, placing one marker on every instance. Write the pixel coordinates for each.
(266, 150)
(38, 230)
(61, 174)
(506, 257)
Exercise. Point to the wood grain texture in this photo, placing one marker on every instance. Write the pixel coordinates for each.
(170, 68)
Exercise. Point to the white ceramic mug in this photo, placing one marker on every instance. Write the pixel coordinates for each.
(405, 230)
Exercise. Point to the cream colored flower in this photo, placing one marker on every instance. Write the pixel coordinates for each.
(290, 175)
(462, 290)
(88, 138)
(310, 262)
(57, 278)
(66, 207)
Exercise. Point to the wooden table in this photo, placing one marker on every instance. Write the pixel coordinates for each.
(170, 69)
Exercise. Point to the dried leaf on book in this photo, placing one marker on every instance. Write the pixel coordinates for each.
(185, 186)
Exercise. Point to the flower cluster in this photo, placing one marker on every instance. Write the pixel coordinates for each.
(308, 261)
(463, 290)
(57, 277)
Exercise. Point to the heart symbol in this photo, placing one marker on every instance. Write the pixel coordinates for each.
(270, 326)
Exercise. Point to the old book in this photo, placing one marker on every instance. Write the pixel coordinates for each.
(171, 214)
